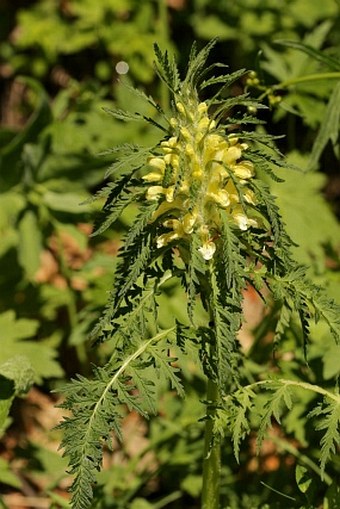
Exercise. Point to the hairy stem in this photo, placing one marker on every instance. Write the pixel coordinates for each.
(212, 454)
(212, 447)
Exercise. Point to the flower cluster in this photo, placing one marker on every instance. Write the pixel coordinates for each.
(198, 172)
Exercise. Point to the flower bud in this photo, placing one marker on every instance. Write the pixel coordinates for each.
(180, 108)
(157, 162)
(185, 133)
(202, 108)
(153, 177)
(173, 122)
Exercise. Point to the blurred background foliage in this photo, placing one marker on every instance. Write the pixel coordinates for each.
(61, 63)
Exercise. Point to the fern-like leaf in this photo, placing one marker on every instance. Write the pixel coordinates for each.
(196, 62)
(166, 69)
(280, 399)
(120, 195)
(130, 158)
(195, 275)
(226, 79)
(97, 410)
(236, 416)
(226, 315)
(328, 421)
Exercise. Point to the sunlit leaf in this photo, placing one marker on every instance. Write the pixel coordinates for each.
(303, 478)
(329, 129)
(14, 341)
(30, 244)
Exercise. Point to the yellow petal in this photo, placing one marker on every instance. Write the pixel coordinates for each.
(189, 150)
(173, 122)
(223, 198)
(177, 204)
(233, 194)
(185, 133)
(202, 108)
(184, 187)
(172, 223)
(244, 170)
(188, 222)
(169, 194)
(253, 222)
(169, 145)
(157, 162)
(180, 108)
(166, 238)
(203, 124)
(249, 197)
(208, 250)
(153, 177)
(240, 218)
(154, 192)
(220, 196)
(233, 140)
(232, 155)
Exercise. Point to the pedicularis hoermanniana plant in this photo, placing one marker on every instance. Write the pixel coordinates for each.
(207, 219)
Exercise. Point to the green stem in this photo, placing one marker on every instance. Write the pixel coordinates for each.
(212, 454)
(297, 81)
(309, 77)
(176, 495)
(303, 385)
(212, 447)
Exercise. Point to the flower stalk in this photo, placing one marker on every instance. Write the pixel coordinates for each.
(212, 453)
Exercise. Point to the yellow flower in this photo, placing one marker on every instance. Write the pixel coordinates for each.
(166, 238)
(173, 122)
(207, 250)
(169, 194)
(172, 160)
(208, 247)
(242, 220)
(202, 109)
(244, 170)
(153, 177)
(154, 192)
(179, 204)
(185, 133)
(249, 196)
(157, 162)
(189, 221)
(204, 123)
(232, 154)
(201, 166)
(177, 233)
(215, 193)
(180, 108)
